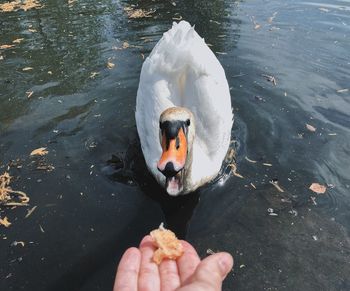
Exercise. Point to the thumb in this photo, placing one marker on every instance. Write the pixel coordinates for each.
(212, 271)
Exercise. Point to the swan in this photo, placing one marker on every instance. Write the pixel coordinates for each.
(183, 111)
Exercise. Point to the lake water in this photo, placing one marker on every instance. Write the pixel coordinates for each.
(58, 91)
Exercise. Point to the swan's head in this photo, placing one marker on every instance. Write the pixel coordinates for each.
(176, 138)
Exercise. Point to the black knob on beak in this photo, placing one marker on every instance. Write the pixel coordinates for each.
(169, 170)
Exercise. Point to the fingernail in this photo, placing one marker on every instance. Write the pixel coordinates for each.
(225, 263)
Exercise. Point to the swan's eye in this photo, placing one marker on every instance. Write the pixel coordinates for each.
(188, 122)
(177, 143)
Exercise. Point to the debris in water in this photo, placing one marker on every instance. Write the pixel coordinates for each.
(214, 21)
(230, 156)
(18, 5)
(210, 252)
(6, 46)
(267, 164)
(275, 184)
(6, 193)
(18, 40)
(271, 213)
(137, 13)
(15, 243)
(251, 184)
(4, 221)
(323, 9)
(39, 152)
(270, 78)
(177, 18)
(250, 161)
(257, 26)
(110, 65)
(313, 199)
(30, 211)
(234, 171)
(342, 90)
(29, 94)
(41, 229)
(259, 98)
(272, 17)
(93, 75)
(27, 69)
(318, 188)
(310, 127)
(45, 167)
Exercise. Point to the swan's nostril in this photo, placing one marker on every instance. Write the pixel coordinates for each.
(169, 170)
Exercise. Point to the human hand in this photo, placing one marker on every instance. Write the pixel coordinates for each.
(137, 271)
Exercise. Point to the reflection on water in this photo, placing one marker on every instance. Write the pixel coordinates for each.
(58, 92)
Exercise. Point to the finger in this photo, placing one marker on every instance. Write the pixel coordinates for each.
(169, 275)
(128, 270)
(188, 262)
(149, 275)
(212, 271)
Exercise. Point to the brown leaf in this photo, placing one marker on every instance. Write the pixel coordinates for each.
(39, 152)
(318, 188)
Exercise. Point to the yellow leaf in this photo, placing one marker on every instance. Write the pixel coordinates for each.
(5, 222)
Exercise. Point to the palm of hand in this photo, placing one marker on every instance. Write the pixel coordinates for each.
(138, 272)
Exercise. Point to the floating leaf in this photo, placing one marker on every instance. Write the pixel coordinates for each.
(39, 152)
(318, 188)
(4, 221)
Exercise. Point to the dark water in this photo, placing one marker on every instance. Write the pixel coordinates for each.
(99, 199)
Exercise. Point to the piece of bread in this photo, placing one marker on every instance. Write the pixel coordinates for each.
(169, 247)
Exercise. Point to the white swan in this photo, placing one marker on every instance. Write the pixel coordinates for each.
(183, 111)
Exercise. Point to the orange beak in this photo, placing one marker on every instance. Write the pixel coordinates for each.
(174, 152)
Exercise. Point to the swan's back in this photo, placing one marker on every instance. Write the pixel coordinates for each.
(182, 71)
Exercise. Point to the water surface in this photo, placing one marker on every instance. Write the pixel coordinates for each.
(99, 199)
